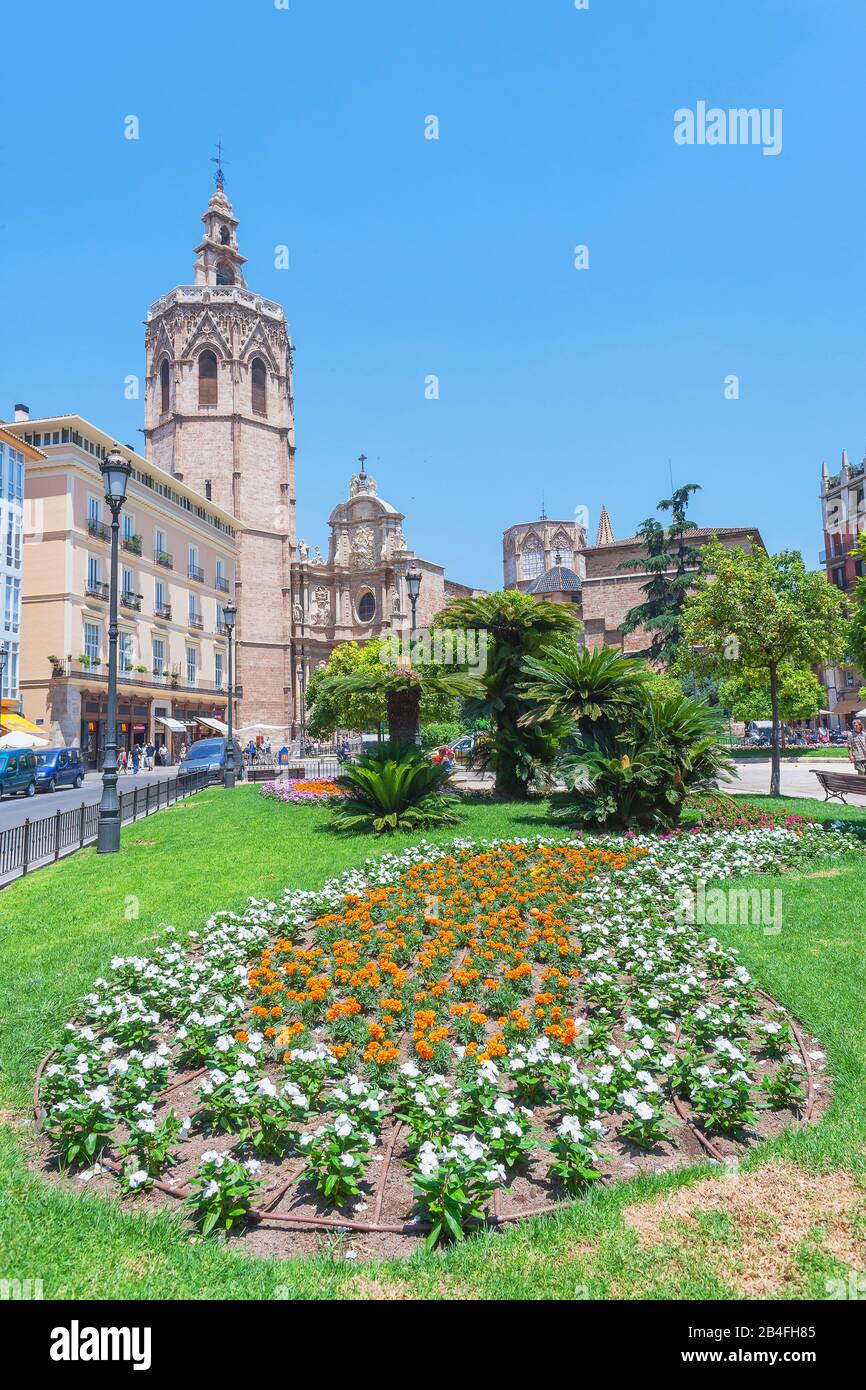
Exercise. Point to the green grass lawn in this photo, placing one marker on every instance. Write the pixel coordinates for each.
(60, 927)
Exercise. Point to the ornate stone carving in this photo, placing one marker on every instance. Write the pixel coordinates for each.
(363, 542)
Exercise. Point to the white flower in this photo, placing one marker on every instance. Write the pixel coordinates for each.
(137, 1179)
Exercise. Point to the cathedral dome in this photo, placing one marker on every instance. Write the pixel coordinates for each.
(558, 580)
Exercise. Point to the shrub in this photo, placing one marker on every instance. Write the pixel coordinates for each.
(393, 788)
(637, 753)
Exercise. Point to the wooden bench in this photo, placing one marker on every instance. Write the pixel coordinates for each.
(837, 784)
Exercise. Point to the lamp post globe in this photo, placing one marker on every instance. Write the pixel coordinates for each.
(230, 613)
(115, 470)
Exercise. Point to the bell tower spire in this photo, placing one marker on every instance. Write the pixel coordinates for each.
(218, 260)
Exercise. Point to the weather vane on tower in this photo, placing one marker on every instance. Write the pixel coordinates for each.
(217, 159)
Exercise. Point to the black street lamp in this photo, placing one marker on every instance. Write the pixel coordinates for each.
(115, 470)
(303, 709)
(230, 613)
(4, 657)
(413, 584)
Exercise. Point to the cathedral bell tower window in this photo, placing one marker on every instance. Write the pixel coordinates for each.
(207, 378)
(224, 274)
(259, 379)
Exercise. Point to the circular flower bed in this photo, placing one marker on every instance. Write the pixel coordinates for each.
(317, 789)
(449, 1036)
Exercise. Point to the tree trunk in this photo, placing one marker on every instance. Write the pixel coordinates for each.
(775, 762)
(403, 710)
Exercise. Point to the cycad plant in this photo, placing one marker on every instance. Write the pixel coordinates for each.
(634, 754)
(393, 788)
(640, 774)
(518, 627)
(593, 688)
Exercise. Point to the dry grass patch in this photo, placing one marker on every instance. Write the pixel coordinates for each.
(773, 1212)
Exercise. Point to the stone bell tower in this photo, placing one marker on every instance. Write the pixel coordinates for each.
(219, 414)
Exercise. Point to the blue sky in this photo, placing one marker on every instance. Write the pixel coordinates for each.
(412, 257)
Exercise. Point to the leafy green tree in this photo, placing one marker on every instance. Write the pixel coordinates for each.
(672, 564)
(747, 695)
(754, 612)
(518, 627)
(363, 704)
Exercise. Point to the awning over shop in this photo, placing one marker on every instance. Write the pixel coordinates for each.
(173, 724)
(15, 722)
(847, 704)
(216, 724)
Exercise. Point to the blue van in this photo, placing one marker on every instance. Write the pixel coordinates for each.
(59, 767)
(17, 771)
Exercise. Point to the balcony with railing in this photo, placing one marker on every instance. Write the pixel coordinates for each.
(221, 629)
(196, 573)
(162, 557)
(221, 583)
(163, 611)
(97, 672)
(132, 544)
(97, 528)
(131, 601)
(196, 620)
(97, 590)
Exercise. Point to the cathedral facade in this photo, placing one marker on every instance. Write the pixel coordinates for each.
(220, 416)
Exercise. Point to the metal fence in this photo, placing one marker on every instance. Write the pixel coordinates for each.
(42, 841)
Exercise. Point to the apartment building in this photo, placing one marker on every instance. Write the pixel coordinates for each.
(843, 511)
(178, 555)
(14, 455)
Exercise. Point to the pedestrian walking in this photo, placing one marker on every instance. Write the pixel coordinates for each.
(857, 746)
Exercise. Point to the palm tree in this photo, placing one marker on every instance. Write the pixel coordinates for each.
(590, 687)
(402, 687)
(518, 626)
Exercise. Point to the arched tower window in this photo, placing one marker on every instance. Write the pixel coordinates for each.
(164, 388)
(224, 274)
(532, 559)
(225, 235)
(259, 375)
(207, 378)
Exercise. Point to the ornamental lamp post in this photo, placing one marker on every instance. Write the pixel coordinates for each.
(413, 584)
(115, 470)
(230, 613)
(303, 704)
(4, 657)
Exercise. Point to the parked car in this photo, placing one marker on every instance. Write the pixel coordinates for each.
(464, 744)
(17, 772)
(59, 767)
(209, 755)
